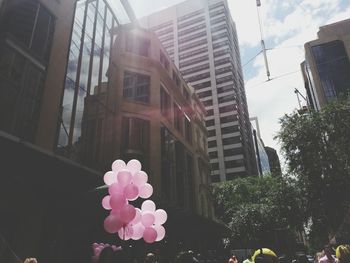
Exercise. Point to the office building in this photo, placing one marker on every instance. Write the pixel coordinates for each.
(58, 111)
(274, 162)
(326, 69)
(200, 37)
(261, 156)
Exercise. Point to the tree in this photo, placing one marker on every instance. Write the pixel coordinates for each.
(260, 210)
(316, 146)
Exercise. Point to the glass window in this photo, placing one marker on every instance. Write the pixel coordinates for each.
(165, 104)
(231, 140)
(213, 155)
(212, 144)
(137, 45)
(209, 123)
(211, 133)
(136, 86)
(30, 24)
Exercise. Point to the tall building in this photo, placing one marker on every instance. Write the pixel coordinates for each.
(262, 159)
(200, 37)
(64, 86)
(274, 161)
(326, 69)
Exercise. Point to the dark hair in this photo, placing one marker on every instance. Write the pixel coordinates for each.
(120, 256)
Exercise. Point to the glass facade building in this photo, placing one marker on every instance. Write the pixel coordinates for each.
(26, 30)
(92, 38)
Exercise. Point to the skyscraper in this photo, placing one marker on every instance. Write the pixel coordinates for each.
(326, 69)
(200, 37)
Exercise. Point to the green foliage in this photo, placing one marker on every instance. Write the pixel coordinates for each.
(317, 149)
(259, 210)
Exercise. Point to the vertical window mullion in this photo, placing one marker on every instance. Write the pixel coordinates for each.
(102, 50)
(34, 26)
(77, 79)
(92, 50)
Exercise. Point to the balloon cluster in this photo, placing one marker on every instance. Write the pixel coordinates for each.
(126, 182)
(98, 247)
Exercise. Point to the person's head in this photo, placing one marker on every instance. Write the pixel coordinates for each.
(264, 255)
(328, 251)
(233, 259)
(343, 253)
(106, 255)
(30, 260)
(120, 256)
(150, 258)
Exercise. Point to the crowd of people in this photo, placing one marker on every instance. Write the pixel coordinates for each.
(263, 255)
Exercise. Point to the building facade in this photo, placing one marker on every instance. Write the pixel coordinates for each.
(155, 117)
(274, 161)
(201, 39)
(261, 156)
(69, 107)
(326, 69)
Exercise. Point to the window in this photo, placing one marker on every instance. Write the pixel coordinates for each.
(190, 22)
(224, 89)
(204, 94)
(230, 129)
(210, 123)
(176, 78)
(231, 152)
(165, 104)
(232, 140)
(163, 60)
(210, 112)
(333, 68)
(214, 166)
(211, 133)
(207, 103)
(198, 77)
(213, 155)
(136, 86)
(195, 69)
(212, 144)
(137, 45)
(227, 98)
(202, 85)
(234, 164)
(193, 61)
(227, 108)
(193, 53)
(32, 25)
(135, 136)
(230, 118)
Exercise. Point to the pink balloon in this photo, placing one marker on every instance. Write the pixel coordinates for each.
(150, 235)
(117, 201)
(105, 202)
(125, 233)
(112, 224)
(138, 231)
(124, 177)
(140, 178)
(118, 165)
(137, 218)
(160, 232)
(115, 189)
(94, 246)
(127, 213)
(131, 192)
(148, 206)
(134, 166)
(147, 219)
(161, 217)
(110, 178)
(145, 191)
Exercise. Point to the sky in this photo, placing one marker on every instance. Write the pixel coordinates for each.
(286, 26)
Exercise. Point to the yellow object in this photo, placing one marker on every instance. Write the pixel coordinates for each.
(265, 251)
(342, 251)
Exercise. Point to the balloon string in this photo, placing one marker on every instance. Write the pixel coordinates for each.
(124, 232)
(9, 248)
